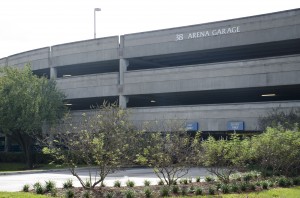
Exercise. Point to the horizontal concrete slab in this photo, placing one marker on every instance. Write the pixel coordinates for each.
(237, 32)
(38, 59)
(85, 51)
(96, 85)
(213, 117)
(237, 74)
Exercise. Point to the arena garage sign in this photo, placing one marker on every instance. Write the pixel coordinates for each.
(208, 33)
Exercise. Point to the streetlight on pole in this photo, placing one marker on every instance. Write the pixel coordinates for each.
(95, 10)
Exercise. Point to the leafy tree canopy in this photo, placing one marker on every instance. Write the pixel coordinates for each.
(27, 104)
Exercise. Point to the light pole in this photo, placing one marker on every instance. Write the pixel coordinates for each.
(95, 10)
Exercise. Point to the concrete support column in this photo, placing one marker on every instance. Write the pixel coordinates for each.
(122, 68)
(53, 73)
(123, 100)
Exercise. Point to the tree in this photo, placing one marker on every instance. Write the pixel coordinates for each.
(278, 150)
(223, 157)
(27, 104)
(287, 120)
(168, 149)
(103, 138)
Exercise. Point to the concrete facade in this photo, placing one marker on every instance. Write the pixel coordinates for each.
(211, 73)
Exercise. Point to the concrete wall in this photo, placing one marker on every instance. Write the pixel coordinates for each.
(96, 85)
(213, 117)
(39, 59)
(3, 62)
(238, 74)
(258, 29)
(85, 51)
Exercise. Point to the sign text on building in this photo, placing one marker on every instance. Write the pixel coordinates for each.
(208, 33)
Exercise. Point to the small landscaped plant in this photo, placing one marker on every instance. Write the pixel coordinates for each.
(160, 182)
(225, 188)
(109, 195)
(148, 193)
(264, 185)
(68, 184)
(147, 183)
(234, 187)
(198, 191)
(243, 187)
(211, 191)
(197, 179)
(175, 189)
(117, 183)
(209, 179)
(49, 186)
(69, 193)
(252, 186)
(38, 188)
(129, 194)
(26, 188)
(86, 194)
(183, 191)
(164, 191)
(130, 183)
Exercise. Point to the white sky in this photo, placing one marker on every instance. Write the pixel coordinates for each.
(32, 24)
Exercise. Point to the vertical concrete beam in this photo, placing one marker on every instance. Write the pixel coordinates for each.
(53, 73)
(123, 100)
(123, 64)
(53, 70)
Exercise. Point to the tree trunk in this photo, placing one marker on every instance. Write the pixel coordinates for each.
(26, 142)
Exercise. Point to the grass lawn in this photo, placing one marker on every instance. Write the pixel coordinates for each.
(5, 167)
(20, 194)
(278, 192)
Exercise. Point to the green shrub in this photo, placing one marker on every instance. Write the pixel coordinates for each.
(197, 179)
(164, 191)
(192, 189)
(117, 183)
(183, 191)
(234, 188)
(160, 182)
(69, 194)
(129, 194)
(49, 186)
(252, 187)
(209, 179)
(243, 187)
(282, 182)
(211, 191)
(264, 185)
(199, 191)
(258, 183)
(68, 184)
(247, 177)
(87, 194)
(109, 195)
(218, 186)
(130, 183)
(296, 181)
(184, 181)
(225, 188)
(175, 182)
(26, 188)
(271, 184)
(53, 192)
(190, 180)
(88, 183)
(175, 189)
(148, 193)
(38, 188)
(147, 183)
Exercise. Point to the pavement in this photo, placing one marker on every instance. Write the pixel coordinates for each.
(14, 181)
